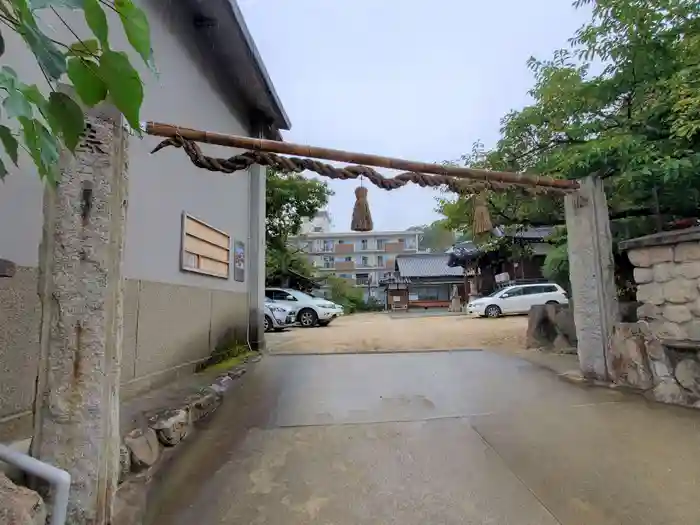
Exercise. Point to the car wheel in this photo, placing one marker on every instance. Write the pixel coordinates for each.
(307, 318)
(267, 323)
(552, 302)
(493, 311)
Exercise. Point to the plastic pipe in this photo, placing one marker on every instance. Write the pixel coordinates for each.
(58, 478)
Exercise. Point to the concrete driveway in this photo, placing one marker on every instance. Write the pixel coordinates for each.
(463, 437)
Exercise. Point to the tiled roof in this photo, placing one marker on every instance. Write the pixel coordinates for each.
(427, 265)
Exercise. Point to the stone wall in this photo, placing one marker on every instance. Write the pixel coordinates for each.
(660, 352)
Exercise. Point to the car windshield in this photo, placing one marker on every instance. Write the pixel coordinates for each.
(492, 294)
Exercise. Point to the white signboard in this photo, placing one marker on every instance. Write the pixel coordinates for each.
(502, 277)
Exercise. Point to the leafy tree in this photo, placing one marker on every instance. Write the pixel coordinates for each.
(436, 236)
(623, 102)
(45, 119)
(290, 199)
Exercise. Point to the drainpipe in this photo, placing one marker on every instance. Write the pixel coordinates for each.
(59, 479)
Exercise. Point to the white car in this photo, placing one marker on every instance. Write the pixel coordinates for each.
(278, 316)
(517, 299)
(312, 311)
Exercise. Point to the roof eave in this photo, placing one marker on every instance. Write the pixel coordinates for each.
(226, 34)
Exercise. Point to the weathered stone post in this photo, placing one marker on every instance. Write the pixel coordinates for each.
(256, 252)
(592, 275)
(76, 416)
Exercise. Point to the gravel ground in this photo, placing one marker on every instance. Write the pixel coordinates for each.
(381, 332)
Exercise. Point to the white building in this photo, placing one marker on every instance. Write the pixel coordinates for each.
(362, 258)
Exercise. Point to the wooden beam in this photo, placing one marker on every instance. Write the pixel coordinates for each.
(287, 148)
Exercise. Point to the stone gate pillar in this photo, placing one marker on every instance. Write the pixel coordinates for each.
(592, 277)
(76, 415)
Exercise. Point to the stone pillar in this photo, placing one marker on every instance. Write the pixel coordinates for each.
(76, 416)
(592, 275)
(256, 254)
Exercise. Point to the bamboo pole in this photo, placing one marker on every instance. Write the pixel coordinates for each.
(287, 148)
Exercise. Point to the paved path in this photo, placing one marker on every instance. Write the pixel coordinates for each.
(432, 438)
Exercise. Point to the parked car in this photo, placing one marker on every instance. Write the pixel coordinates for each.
(517, 299)
(312, 311)
(278, 316)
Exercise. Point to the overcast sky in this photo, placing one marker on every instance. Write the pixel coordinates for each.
(421, 80)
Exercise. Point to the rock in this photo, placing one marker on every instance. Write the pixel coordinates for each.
(130, 502)
(668, 330)
(651, 293)
(687, 374)
(688, 270)
(19, 505)
(551, 326)
(643, 275)
(655, 349)
(680, 291)
(143, 446)
(221, 384)
(664, 272)
(669, 392)
(171, 425)
(677, 313)
(689, 251)
(646, 257)
(627, 357)
(649, 312)
(256, 358)
(660, 369)
(237, 372)
(203, 404)
(124, 462)
(693, 330)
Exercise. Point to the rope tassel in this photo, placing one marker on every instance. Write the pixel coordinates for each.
(361, 216)
(482, 217)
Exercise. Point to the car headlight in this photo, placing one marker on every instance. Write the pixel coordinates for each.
(327, 306)
(277, 309)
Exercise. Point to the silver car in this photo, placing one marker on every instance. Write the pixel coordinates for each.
(278, 316)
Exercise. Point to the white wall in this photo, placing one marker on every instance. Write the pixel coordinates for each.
(161, 186)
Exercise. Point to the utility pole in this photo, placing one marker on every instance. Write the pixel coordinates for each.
(76, 414)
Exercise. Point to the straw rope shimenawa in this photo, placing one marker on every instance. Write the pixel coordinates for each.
(264, 152)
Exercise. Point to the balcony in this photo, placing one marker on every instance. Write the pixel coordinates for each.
(394, 247)
(341, 266)
(344, 248)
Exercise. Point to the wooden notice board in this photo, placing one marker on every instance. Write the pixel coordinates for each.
(205, 249)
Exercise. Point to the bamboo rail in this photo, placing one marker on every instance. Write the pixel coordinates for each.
(287, 148)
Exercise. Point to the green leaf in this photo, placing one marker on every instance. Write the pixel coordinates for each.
(43, 148)
(8, 78)
(90, 87)
(124, 85)
(69, 117)
(51, 60)
(97, 21)
(136, 27)
(34, 95)
(43, 4)
(9, 142)
(3, 170)
(85, 48)
(17, 105)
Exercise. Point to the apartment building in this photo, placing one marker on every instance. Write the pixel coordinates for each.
(362, 258)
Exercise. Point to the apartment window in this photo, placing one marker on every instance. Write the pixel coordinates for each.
(364, 244)
(401, 240)
(380, 260)
(341, 242)
(327, 246)
(318, 229)
(205, 249)
(348, 259)
(365, 261)
(380, 244)
(328, 262)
